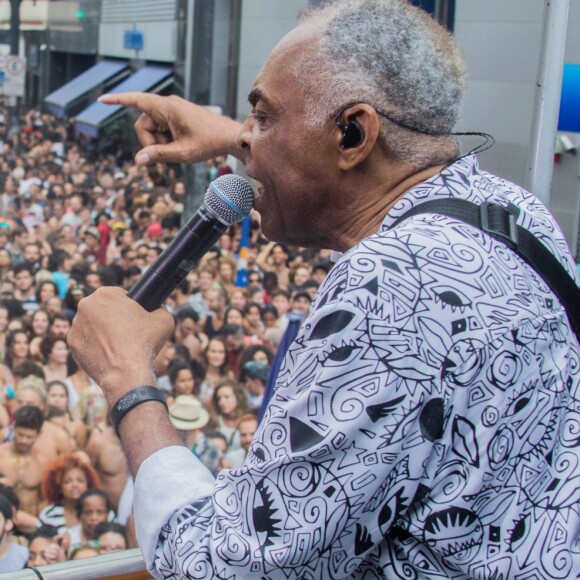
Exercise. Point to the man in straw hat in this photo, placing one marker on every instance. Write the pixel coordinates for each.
(189, 417)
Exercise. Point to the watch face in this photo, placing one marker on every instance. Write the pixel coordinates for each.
(126, 401)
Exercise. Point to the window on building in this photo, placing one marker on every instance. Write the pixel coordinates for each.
(442, 10)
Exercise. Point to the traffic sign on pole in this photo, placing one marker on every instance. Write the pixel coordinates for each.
(13, 75)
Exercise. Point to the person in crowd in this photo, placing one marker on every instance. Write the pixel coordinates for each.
(281, 301)
(27, 369)
(269, 316)
(32, 255)
(227, 271)
(217, 368)
(54, 353)
(25, 291)
(45, 290)
(235, 341)
(60, 324)
(234, 316)
(273, 258)
(54, 306)
(216, 299)
(52, 441)
(4, 318)
(189, 417)
(58, 397)
(311, 288)
(255, 377)
(17, 348)
(299, 276)
(300, 303)
(13, 556)
(222, 166)
(45, 547)
(38, 329)
(252, 322)
(77, 383)
(181, 378)
(270, 285)
(111, 537)
(73, 296)
(107, 457)
(319, 272)
(5, 412)
(19, 466)
(254, 280)
(188, 332)
(396, 383)
(6, 378)
(93, 508)
(247, 426)
(212, 451)
(238, 298)
(258, 353)
(229, 403)
(6, 266)
(205, 282)
(84, 551)
(64, 480)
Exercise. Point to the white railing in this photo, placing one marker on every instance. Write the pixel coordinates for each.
(126, 565)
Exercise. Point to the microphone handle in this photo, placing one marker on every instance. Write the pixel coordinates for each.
(194, 239)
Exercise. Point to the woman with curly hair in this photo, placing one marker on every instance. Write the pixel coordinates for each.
(54, 351)
(64, 480)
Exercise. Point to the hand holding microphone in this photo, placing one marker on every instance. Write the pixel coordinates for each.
(227, 201)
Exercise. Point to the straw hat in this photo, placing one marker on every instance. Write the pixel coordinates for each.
(187, 413)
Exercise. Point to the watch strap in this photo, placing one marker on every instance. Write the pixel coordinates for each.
(132, 399)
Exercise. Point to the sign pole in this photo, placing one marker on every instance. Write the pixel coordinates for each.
(548, 89)
(13, 120)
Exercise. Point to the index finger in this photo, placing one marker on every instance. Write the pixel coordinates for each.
(146, 102)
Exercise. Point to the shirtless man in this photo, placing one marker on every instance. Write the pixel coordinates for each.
(20, 468)
(52, 441)
(107, 457)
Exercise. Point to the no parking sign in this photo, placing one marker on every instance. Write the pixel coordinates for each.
(12, 75)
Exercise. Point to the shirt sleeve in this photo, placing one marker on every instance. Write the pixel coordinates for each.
(168, 480)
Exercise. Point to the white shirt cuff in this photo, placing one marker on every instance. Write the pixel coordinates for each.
(167, 481)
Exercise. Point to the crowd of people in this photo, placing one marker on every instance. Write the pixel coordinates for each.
(76, 215)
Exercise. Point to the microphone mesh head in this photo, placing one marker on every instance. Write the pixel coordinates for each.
(230, 198)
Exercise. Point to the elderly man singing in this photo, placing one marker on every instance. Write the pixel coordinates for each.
(425, 421)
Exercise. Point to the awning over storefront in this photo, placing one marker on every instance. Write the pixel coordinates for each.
(148, 78)
(62, 100)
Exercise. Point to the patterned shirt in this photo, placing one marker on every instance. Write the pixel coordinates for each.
(425, 423)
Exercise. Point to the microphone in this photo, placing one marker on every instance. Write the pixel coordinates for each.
(227, 201)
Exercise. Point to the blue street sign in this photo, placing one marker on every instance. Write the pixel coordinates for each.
(133, 40)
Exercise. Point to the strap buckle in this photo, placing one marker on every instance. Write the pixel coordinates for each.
(496, 219)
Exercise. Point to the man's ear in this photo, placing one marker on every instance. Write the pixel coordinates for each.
(357, 131)
(9, 525)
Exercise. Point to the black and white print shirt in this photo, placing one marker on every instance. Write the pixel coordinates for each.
(425, 424)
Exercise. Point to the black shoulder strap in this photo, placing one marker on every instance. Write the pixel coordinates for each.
(500, 223)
